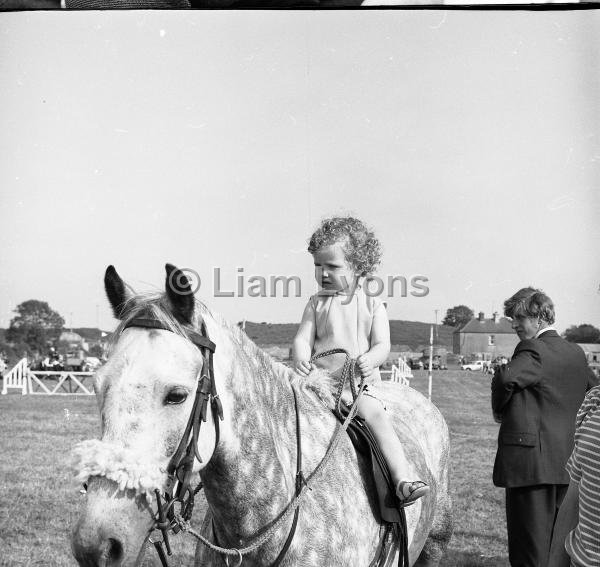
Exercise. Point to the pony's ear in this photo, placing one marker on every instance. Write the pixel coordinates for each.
(180, 294)
(117, 291)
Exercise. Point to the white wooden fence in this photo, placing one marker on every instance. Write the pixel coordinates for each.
(400, 372)
(37, 382)
(16, 379)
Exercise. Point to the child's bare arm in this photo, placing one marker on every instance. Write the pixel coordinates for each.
(304, 341)
(380, 343)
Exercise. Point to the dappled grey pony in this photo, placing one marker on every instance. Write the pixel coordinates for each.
(248, 459)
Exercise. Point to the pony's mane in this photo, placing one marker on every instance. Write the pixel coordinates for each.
(321, 383)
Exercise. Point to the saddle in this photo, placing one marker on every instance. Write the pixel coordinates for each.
(387, 511)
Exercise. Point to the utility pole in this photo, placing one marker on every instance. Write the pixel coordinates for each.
(436, 325)
(429, 388)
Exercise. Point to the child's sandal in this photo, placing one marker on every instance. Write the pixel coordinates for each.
(409, 492)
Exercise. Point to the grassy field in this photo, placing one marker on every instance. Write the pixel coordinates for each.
(39, 497)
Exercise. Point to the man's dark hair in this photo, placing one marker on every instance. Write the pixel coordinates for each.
(530, 302)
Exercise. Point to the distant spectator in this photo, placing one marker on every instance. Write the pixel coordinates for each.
(535, 398)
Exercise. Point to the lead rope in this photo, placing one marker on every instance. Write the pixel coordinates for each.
(347, 372)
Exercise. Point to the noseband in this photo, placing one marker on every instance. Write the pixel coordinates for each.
(179, 470)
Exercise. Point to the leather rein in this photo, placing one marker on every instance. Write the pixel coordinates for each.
(178, 488)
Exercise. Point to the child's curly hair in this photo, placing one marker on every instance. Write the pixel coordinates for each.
(361, 248)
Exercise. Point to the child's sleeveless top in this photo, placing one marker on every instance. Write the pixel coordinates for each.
(343, 321)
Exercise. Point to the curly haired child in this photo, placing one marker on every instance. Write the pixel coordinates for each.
(342, 315)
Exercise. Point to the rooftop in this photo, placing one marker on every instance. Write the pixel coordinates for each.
(590, 347)
(70, 337)
(488, 326)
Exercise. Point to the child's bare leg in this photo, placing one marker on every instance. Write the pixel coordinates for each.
(373, 412)
(381, 426)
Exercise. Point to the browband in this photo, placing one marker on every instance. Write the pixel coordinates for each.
(199, 340)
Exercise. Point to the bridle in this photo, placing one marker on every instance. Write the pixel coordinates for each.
(178, 489)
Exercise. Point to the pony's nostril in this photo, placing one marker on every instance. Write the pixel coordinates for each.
(114, 551)
(108, 553)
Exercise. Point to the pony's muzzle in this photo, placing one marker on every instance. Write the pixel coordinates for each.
(94, 549)
(113, 527)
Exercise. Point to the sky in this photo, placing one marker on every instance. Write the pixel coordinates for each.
(469, 141)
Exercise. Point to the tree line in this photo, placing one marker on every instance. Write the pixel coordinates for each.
(32, 331)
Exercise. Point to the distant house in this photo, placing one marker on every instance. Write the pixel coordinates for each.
(73, 341)
(592, 351)
(485, 338)
(592, 354)
(94, 341)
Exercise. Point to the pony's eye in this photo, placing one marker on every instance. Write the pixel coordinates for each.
(176, 396)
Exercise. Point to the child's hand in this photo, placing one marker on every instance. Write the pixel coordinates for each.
(303, 367)
(365, 365)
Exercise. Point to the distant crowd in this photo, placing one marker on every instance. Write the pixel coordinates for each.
(3, 363)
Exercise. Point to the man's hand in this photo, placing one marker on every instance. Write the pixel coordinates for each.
(303, 367)
(365, 365)
(497, 417)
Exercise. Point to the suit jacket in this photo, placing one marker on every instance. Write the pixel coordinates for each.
(537, 394)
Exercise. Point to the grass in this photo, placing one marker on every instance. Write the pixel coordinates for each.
(39, 498)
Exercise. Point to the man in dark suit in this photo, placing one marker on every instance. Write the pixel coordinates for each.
(535, 398)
